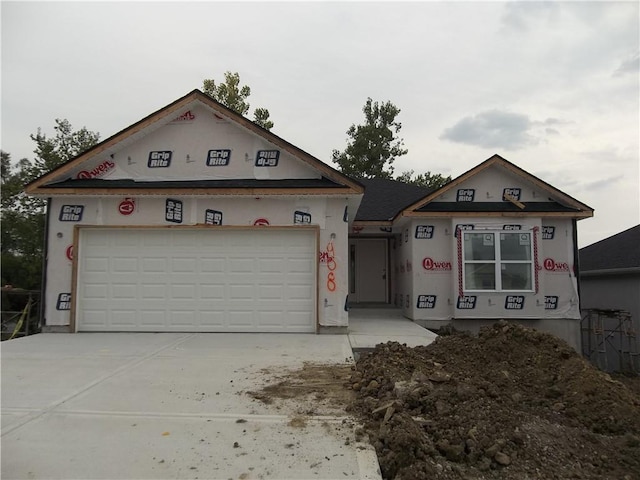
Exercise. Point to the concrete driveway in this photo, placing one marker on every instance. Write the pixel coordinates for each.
(168, 405)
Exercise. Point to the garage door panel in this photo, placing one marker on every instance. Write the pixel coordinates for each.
(299, 319)
(212, 291)
(96, 291)
(124, 291)
(300, 292)
(269, 265)
(241, 291)
(152, 318)
(183, 291)
(299, 265)
(154, 264)
(155, 238)
(97, 264)
(212, 265)
(212, 318)
(122, 317)
(96, 241)
(184, 264)
(152, 292)
(240, 265)
(124, 240)
(267, 291)
(124, 264)
(242, 319)
(270, 319)
(183, 317)
(196, 280)
(94, 317)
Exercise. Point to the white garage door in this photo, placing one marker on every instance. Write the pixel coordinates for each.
(198, 280)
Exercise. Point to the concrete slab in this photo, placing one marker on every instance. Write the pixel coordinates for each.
(92, 406)
(370, 326)
(41, 370)
(150, 447)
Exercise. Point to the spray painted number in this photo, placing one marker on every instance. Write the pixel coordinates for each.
(331, 282)
(331, 265)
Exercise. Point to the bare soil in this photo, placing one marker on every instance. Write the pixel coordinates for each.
(315, 388)
(511, 403)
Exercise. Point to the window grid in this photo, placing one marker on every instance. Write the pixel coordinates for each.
(497, 261)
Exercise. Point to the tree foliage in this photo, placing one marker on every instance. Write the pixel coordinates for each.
(373, 146)
(22, 217)
(427, 179)
(234, 96)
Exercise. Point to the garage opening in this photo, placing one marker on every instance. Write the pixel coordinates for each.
(184, 279)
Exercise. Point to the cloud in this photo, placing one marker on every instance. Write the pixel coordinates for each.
(493, 128)
(604, 182)
(629, 65)
(520, 16)
(554, 121)
(549, 125)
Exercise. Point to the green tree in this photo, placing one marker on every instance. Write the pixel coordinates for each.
(372, 147)
(427, 179)
(234, 96)
(22, 216)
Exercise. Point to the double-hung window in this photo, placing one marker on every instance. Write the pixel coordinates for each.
(497, 261)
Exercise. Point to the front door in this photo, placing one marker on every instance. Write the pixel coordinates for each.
(368, 270)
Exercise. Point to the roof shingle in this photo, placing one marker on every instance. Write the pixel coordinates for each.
(621, 250)
(384, 199)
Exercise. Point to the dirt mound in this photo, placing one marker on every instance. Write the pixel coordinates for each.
(510, 403)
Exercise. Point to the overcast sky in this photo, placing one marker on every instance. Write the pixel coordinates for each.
(552, 87)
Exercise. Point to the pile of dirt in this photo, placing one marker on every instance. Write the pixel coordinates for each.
(510, 403)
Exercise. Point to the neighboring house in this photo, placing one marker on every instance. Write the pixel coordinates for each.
(610, 282)
(196, 219)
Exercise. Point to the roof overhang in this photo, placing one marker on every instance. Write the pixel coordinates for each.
(342, 192)
(581, 210)
(578, 215)
(162, 117)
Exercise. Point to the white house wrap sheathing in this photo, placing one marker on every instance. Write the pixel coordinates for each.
(198, 144)
(331, 268)
(429, 273)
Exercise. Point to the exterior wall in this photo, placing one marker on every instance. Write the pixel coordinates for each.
(489, 185)
(404, 271)
(612, 292)
(433, 274)
(198, 146)
(334, 289)
(567, 329)
(437, 288)
(557, 264)
(328, 214)
(394, 271)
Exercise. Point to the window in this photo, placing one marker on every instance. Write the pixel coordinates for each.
(497, 261)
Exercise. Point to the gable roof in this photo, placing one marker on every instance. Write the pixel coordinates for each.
(384, 199)
(561, 204)
(46, 184)
(620, 251)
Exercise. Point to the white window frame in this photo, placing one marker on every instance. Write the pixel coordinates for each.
(497, 261)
